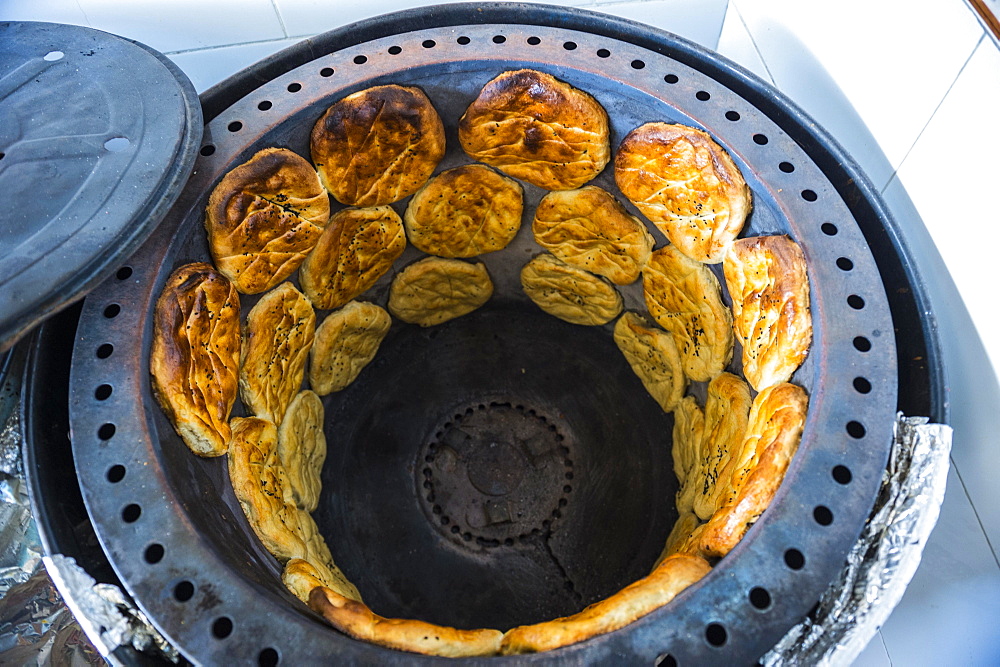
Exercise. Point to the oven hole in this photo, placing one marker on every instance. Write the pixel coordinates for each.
(822, 515)
(396, 50)
(499, 39)
(112, 311)
(268, 658)
(222, 627)
(569, 46)
(666, 660)
(733, 115)
(809, 195)
(827, 228)
(360, 60)
(106, 431)
(856, 429)
(794, 559)
(786, 167)
(235, 126)
(154, 553)
(862, 344)
(116, 473)
(862, 385)
(844, 264)
(534, 41)
(703, 95)
(428, 44)
(103, 392)
(841, 474)
(264, 105)
(207, 149)
(131, 513)
(716, 635)
(671, 78)
(183, 591)
(326, 72)
(760, 139)
(638, 64)
(760, 598)
(603, 53)
(855, 302)
(294, 87)
(124, 273)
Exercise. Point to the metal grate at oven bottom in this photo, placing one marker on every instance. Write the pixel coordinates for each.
(168, 521)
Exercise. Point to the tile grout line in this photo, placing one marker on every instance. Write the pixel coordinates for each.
(281, 21)
(916, 139)
(884, 647)
(753, 41)
(974, 511)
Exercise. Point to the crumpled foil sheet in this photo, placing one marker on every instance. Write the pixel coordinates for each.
(883, 561)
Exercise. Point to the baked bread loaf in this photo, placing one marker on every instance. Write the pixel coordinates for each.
(775, 428)
(258, 479)
(683, 296)
(767, 280)
(464, 212)
(687, 185)
(300, 577)
(276, 341)
(532, 126)
(356, 620)
(435, 290)
(346, 341)
(634, 601)
(726, 412)
(195, 356)
(653, 356)
(264, 217)
(588, 228)
(302, 449)
(688, 437)
(571, 294)
(318, 555)
(357, 248)
(377, 145)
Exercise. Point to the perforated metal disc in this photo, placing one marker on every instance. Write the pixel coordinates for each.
(167, 519)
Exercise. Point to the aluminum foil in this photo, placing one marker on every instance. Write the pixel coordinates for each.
(883, 561)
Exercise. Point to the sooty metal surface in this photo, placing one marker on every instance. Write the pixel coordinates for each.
(214, 591)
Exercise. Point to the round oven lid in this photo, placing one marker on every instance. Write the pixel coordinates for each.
(99, 136)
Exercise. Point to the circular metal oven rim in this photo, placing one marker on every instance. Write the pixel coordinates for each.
(644, 638)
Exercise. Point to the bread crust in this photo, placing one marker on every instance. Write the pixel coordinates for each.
(302, 449)
(435, 290)
(464, 212)
(276, 340)
(264, 217)
(777, 420)
(378, 145)
(356, 249)
(684, 297)
(687, 185)
(357, 620)
(195, 355)
(300, 576)
(569, 293)
(727, 409)
(634, 601)
(768, 282)
(532, 126)
(653, 356)
(346, 341)
(688, 437)
(588, 228)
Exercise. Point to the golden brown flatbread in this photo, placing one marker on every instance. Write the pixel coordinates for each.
(683, 296)
(726, 412)
(634, 601)
(346, 341)
(356, 249)
(775, 428)
(377, 145)
(435, 290)
(258, 479)
(532, 126)
(653, 356)
(264, 217)
(588, 228)
(318, 555)
(195, 356)
(464, 212)
(688, 438)
(571, 294)
(302, 449)
(687, 185)
(300, 576)
(767, 280)
(276, 341)
(357, 620)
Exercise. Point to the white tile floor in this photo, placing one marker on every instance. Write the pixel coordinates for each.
(911, 92)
